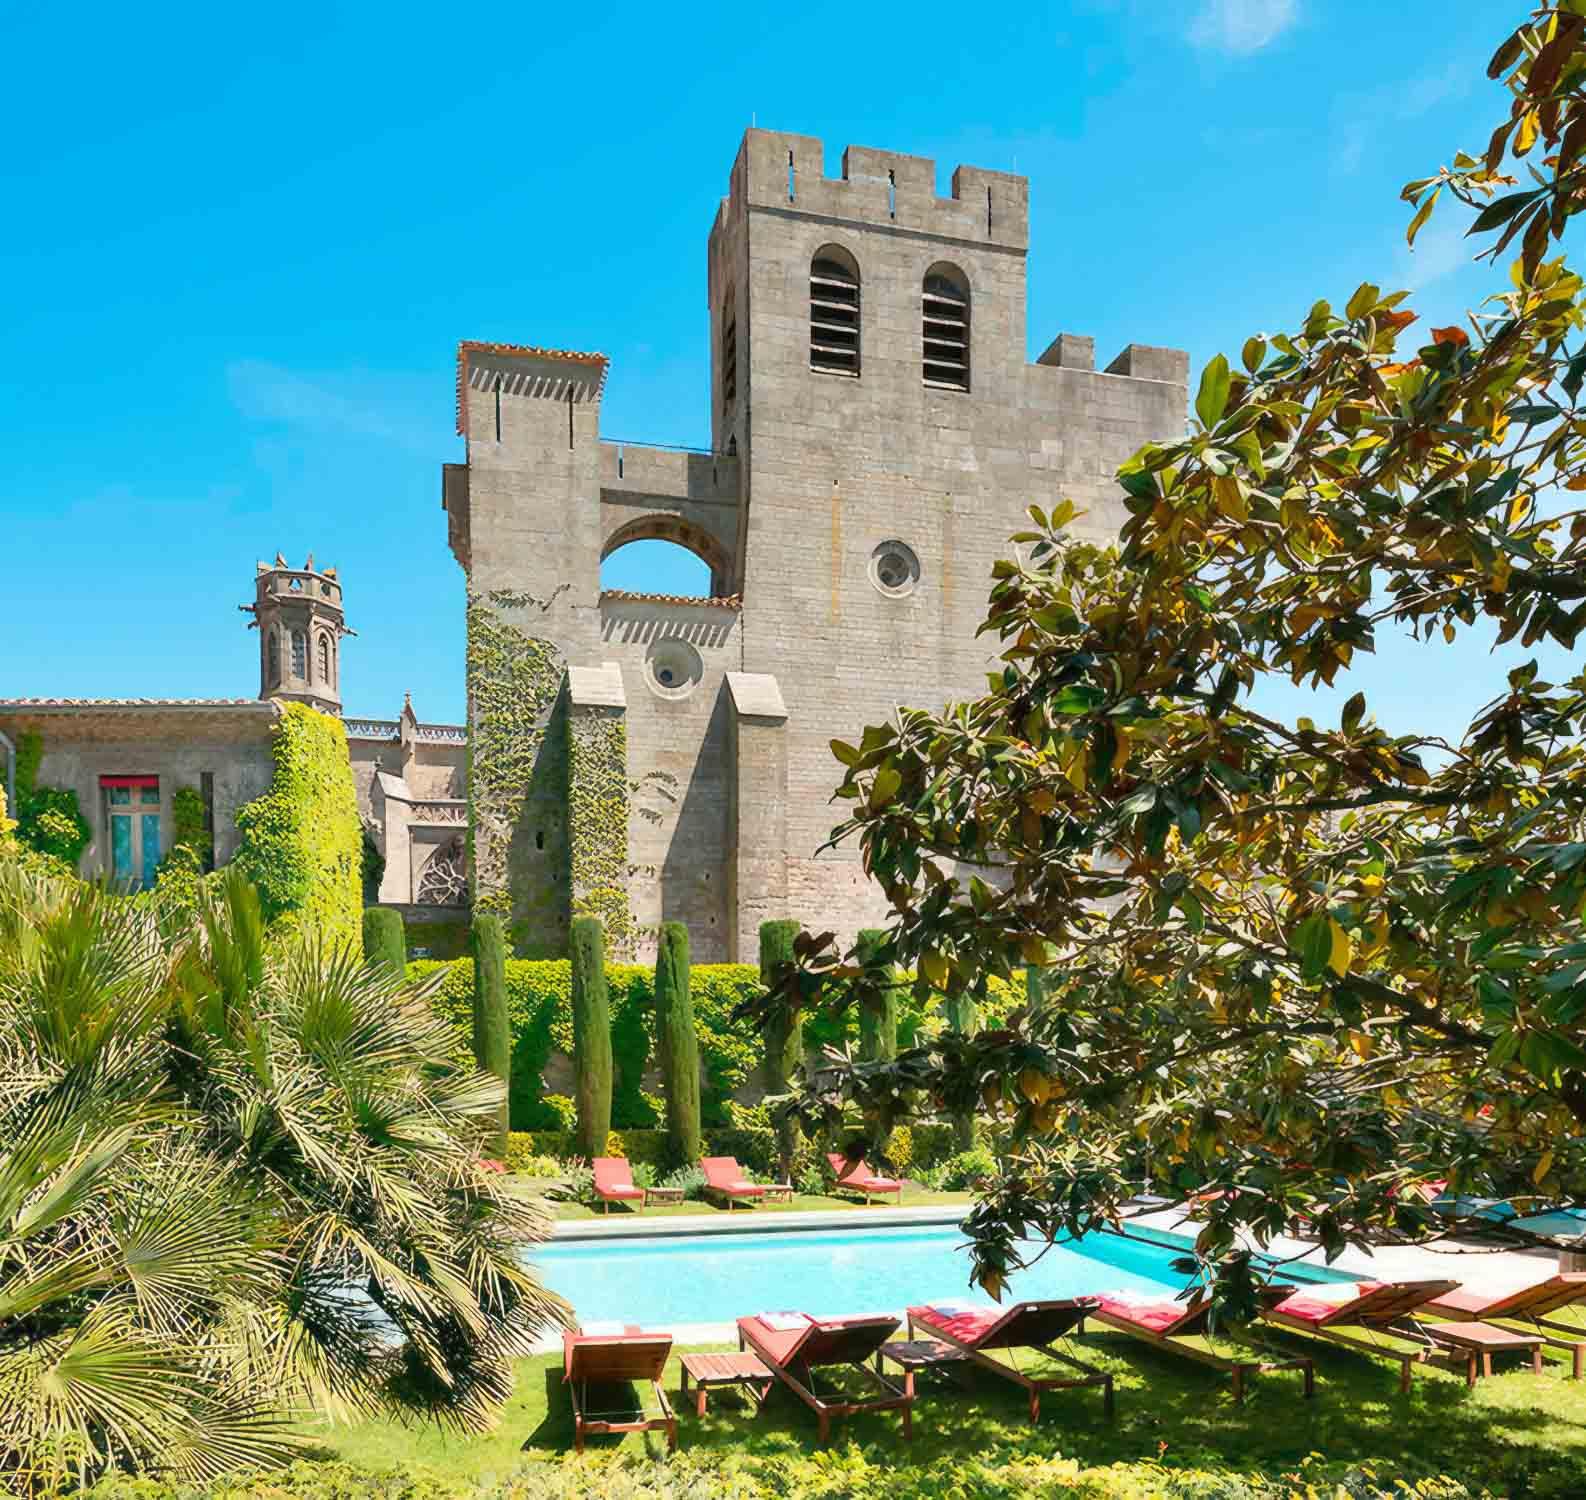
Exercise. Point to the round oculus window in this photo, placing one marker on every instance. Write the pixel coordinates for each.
(894, 569)
(673, 668)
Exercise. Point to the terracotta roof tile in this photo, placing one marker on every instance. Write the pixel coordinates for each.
(623, 596)
(134, 702)
(521, 351)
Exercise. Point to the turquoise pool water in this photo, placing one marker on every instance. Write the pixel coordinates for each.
(714, 1278)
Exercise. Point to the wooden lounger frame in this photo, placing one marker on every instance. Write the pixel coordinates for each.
(979, 1353)
(1531, 1322)
(893, 1397)
(1400, 1299)
(1237, 1370)
(617, 1361)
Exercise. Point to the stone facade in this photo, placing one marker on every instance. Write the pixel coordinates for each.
(220, 747)
(410, 777)
(877, 436)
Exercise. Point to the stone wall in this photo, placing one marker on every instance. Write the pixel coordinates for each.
(820, 486)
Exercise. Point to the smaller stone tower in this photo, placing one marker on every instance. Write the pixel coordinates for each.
(298, 614)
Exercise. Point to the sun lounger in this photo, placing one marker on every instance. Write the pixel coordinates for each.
(974, 1332)
(595, 1356)
(1168, 1325)
(614, 1183)
(1528, 1307)
(725, 1179)
(856, 1177)
(1374, 1309)
(793, 1346)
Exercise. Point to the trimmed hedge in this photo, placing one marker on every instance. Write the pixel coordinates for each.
(540, 1013)
(492, 1029)
(382, 938)
(755, 1148)
(996, 1472)
(592, 1052)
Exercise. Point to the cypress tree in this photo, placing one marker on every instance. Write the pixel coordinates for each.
(784, 1035)
(384, 939)
(591, 1036)
(878, 1009)
(677, 1044)
(492, 1033)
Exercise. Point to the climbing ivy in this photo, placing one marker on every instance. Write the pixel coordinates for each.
(301, 842)
(48, 818)
(597, 811)
(513, 683)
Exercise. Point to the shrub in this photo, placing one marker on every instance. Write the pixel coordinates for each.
(591, 1035)
(968, 1168)
(564, 1111)
(492, 1035)
(384, 940)
(613, 1146)
(900, 1150)
(690, 1178)
(678, 1046)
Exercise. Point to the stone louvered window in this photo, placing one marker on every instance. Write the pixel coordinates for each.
(945, 328)
(729, 353)
(834, 312)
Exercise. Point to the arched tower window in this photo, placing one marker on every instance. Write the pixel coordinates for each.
(324, 659)
(945, 328)
(273, 671)
(834, 311)
(299, 656)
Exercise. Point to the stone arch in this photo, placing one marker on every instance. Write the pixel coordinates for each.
(662, 526)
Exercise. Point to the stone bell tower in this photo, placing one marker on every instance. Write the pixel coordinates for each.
(298, 614)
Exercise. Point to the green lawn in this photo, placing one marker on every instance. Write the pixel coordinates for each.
(799, 1203)
(1511, 1427)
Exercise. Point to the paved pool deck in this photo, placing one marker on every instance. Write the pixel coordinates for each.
(1477, 1266)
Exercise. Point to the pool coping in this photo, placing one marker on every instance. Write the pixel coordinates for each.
(635, 1227)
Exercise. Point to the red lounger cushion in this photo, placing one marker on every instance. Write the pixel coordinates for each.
(1317, 1305)
(1459, 1300)
(967, 1324)
(1155, 1316)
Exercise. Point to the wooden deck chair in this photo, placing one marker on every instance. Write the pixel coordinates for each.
(1166, 1324)
(616, 1359)
(792, 1346)
(856, 1177)
(1527, 1307)
(1373, 1309)
(975, 1332)
(725, 1179)
(614, 1183)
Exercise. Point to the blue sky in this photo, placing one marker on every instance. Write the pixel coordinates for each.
(243, 244)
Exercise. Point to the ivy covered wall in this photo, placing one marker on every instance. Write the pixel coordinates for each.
(549, 797)
(517, 819)
(302, 841)
(597, 832)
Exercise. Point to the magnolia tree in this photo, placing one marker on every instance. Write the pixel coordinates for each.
(1304, 969)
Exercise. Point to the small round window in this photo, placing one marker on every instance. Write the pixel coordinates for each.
(894, 569)
(673, 668)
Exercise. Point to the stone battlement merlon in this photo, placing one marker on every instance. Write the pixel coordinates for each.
(786, 173)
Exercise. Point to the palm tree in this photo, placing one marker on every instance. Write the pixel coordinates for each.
(238, 1183)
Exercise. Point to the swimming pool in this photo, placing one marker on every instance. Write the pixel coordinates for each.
(714, 1278)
